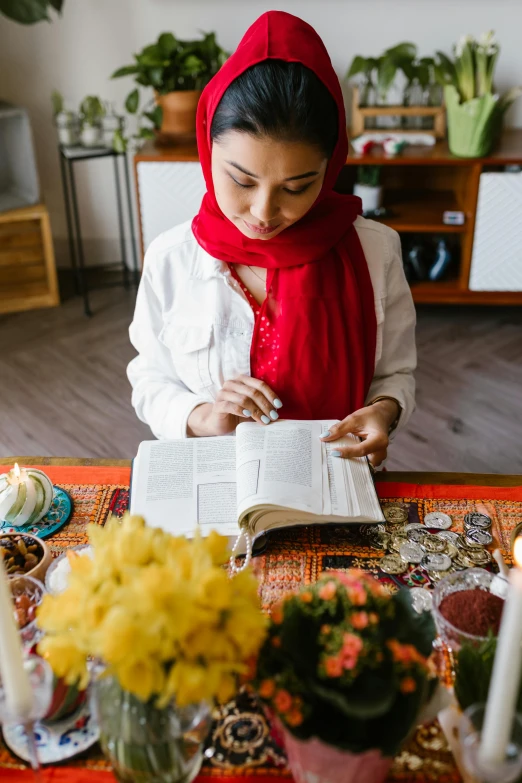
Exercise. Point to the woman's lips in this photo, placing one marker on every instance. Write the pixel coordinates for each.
(260, 229)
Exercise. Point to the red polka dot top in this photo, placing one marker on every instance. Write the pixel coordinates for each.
(265, 346)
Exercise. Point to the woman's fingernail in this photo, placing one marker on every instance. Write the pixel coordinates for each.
(265, 419)
(246, 413)
(278, 404)
(274, 415)
(325, 434)
(336, 453)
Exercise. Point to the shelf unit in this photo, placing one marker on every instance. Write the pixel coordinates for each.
(419, 185)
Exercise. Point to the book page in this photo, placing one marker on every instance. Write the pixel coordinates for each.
(180, 485)
(280, 464)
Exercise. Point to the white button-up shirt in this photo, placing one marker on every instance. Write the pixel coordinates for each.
(193, 327)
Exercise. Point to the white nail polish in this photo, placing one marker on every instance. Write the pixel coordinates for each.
(274, 415)
(278, 404)
(247, 413)
(265, 419)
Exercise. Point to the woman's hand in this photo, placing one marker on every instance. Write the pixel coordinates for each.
(238, 400)
(372, 424)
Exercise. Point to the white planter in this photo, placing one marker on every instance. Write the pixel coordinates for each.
(90, 136)
(371, 196)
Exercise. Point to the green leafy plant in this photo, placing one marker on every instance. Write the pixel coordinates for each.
(473, 670)
(57, 102)
(475, 111)
(92, 110)
(30, 11)
(171, 64)
(346, 661)
(382, 70)
(368, 175)
(472, 70)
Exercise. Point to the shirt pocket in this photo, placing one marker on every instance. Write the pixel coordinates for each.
(189, 346)
(380, 307)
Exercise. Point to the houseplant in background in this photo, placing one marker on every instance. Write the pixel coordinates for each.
(67, 121)
(30, 11)
(367, 187)
(177, 71)
(170, 632)
(379, 73)
(92, 112)
(344, 673)
(475, 110)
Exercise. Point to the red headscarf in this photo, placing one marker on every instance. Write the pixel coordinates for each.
(320, 296)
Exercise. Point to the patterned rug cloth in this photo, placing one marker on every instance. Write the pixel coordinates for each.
(240, 746)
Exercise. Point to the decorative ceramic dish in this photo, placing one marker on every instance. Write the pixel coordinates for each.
(58, 515)
(58, 740)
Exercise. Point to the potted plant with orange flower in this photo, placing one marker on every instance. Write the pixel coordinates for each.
(345, 673)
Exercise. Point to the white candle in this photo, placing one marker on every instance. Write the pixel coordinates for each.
(505, 679)
(15, 681)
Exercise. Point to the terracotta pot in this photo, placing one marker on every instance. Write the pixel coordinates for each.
(39, 571)
(315, 761)
(179, 115)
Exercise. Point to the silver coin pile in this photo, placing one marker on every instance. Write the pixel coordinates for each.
(438, 553)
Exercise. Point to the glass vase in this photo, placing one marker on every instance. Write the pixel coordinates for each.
(146, 744)
(412, 97)
(368, 98)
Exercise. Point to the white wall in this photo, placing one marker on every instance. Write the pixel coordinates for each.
(76, 54)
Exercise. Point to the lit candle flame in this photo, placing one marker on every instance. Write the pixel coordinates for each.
(517, 551)
(17, 470)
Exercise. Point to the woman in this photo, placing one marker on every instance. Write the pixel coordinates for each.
(278, 299)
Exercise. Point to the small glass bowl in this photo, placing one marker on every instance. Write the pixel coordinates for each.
(450, 638)
(57, 563)
(469, 579)
(33, 589)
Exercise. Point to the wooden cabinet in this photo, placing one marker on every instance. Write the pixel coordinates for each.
(419, 185)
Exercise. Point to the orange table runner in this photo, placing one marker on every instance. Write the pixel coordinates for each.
(292, 558)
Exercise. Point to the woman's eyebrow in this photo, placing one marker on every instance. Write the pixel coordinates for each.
(255, 176)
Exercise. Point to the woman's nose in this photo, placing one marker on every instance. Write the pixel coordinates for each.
(264, 208)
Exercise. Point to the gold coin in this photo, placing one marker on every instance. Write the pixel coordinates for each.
(396, 541)
(432, 543)
(393, 564)
(395, 514)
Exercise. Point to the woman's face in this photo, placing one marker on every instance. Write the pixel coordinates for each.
(263, 185)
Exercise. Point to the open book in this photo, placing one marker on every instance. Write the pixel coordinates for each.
(263, 479)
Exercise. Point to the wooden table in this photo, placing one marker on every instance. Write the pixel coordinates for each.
(428, 756)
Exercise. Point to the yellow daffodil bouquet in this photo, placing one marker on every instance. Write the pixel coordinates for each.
(163, 631)
(159, 611)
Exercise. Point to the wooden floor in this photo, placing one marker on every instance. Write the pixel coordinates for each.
(64, 391)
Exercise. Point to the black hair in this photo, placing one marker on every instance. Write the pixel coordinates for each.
(281, 100)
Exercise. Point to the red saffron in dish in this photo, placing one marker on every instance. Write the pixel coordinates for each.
(473, 611)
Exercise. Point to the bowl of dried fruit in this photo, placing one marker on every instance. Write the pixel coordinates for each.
(25, 554)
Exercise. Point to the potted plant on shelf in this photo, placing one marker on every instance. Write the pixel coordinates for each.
(177, 71)
(92, 111)
(169, 632)
(368, 188)
(475, 110)
(66, 121)
(379, 74)
(30, 11)
(344, 672)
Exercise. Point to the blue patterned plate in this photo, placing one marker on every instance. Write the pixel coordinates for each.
(57, 740)
(57, 516)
